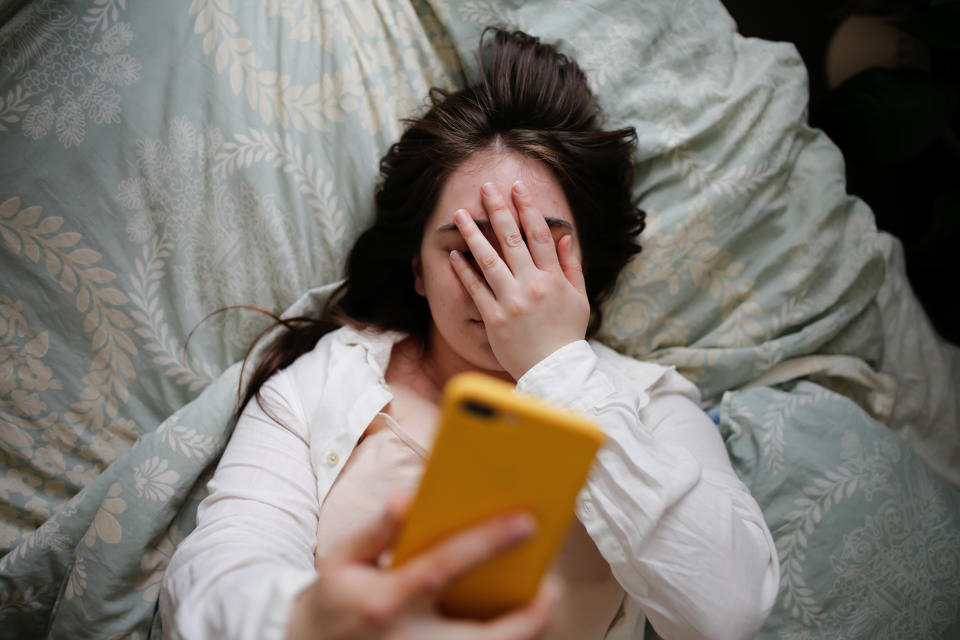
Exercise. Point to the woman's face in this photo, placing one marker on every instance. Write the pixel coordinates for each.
(458, 341)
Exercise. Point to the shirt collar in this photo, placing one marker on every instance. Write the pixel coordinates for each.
(379, 344)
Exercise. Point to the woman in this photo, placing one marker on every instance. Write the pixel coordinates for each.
(504, 216)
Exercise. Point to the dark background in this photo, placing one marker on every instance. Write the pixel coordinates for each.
(916, 196)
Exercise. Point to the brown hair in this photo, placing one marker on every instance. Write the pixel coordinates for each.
(530, 99)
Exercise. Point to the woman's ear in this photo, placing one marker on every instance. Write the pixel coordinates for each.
(417, 276)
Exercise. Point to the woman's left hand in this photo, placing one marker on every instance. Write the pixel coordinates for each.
(533, 300)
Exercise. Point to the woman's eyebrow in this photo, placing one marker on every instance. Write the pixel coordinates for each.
(553, 223)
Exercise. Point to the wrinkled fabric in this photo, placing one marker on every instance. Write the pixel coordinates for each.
(681, 534)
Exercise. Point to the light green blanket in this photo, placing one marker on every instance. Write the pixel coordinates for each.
(163, 160)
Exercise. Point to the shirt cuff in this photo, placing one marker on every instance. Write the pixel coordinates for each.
(243, 605)
(276, 618)
(636, 479)
(570, 367)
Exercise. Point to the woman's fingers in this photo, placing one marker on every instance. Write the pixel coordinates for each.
(354, 599)
(539, 238)
(528, 622)
(495, 271)
(571, 266)
(511, 240)
(524, 623)
(430, 571)
(369, 544)
(473, 283)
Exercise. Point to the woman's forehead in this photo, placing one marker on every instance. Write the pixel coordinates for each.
(502, 167)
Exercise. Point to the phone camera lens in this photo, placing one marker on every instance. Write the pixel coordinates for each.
(479, 409)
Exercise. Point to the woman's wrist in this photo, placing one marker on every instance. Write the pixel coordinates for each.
(300, 623)
(550, 373)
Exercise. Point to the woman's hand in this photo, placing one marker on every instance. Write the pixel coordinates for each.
(354, 599)
(533, 300)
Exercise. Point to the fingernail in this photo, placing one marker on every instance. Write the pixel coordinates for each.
(522, 527)
(460, 215)
(488, 189)
(553, 593)
(519, 188)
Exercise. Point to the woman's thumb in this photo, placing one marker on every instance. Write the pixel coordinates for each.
(572, 268)
(368, 544)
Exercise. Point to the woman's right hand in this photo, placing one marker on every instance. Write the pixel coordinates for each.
(354, 599)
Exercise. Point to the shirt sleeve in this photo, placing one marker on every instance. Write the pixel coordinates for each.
(237, 574)
(682, 534)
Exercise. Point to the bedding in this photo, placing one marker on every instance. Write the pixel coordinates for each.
(161, 161)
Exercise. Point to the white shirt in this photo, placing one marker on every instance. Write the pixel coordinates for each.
(683, 536)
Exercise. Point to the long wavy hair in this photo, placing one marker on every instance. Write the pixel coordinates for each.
(530, 99)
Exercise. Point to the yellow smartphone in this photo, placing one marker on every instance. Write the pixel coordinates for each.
(498, 451)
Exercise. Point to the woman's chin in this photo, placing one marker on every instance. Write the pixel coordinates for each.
(469, 350)
(487, 363)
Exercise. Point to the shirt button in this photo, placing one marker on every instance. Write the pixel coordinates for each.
(586, 509)
(333, 458)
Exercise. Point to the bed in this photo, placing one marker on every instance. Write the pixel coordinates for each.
(161, 161)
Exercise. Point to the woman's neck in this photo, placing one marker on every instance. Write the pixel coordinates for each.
(439, 363)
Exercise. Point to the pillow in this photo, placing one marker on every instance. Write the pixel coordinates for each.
(754, 254)
(868, 535)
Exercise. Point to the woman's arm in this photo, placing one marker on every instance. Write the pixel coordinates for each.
(237, 573)
(682, 534)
